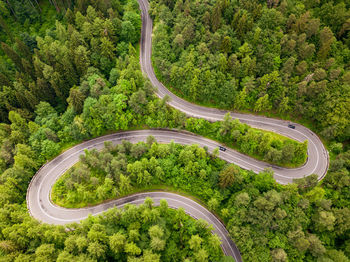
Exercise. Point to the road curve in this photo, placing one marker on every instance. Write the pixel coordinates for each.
(317, 154)
(41, 207)
(38, 195)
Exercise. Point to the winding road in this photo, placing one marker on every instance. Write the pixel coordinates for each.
(317, 162)
(38, 195)
(40, 205)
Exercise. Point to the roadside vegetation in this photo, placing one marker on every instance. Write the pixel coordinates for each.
(69, 71)
(290, 58)
(84, 80)
(260, 144)
(134, 233)
(267, 221)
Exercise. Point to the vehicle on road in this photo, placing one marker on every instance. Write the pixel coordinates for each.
(291, 126)
(222, 148)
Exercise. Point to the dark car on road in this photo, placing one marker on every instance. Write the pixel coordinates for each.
(222, 148)
(291, 126)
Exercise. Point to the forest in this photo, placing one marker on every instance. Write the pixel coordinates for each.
(269, 222)
(77, 65)
(79, 79)
(69, 71)
(136, 233)
(287, 58)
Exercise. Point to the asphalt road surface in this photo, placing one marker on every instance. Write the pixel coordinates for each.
(317, 155)
(40, 205)
(38, 195)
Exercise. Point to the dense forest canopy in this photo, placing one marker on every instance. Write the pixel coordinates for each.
(268, 222)
(91, 82)
(138, 234)
(56, 61)
(69, 71)
(287, 57)
(78, 63)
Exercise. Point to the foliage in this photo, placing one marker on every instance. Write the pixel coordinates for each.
(263, 145)
(268, 221)
(288, 57)
(61, 57)
(115, 235)
(118, 170)
(78, 78)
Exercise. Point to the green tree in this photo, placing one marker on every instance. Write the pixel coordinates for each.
(213, 204)
(195, 242)
(107, 48)
(157, 244)
(132, 249)
(316, 247)
(81, 59)
(76, 100)
(278, 255)
(49, 149)
(97, 250)
(262, 104)
(324, 221)
(16, 59)
(241, 99)
(284, 105)
(45, 252)
(226, 45)
(128, 33)
(201, 255)
(326, 40)
(227, 175)
(334, 255)
(124, 184)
